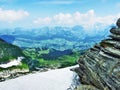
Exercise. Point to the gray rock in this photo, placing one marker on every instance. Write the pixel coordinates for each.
(100, 66)
(118, 22)
(10, 74)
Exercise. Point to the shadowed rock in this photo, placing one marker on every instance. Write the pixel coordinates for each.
(100, 66)
(118, 22)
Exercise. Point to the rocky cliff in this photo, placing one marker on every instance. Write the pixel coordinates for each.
(100, 66)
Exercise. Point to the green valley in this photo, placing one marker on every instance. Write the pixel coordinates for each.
(51, 58)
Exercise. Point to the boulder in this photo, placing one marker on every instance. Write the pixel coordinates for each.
(100, 65)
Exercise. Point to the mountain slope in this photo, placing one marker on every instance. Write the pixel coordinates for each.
(59, 79)
(60, 38)
(12, 61)
(8, 52)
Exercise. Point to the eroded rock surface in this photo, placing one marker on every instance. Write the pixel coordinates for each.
(100, 66)
(9, 74)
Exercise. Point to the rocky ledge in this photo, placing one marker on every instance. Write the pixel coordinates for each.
(100, 66)
(10, 74)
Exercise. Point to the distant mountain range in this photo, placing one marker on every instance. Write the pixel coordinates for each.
(57, 37)
(45, 47)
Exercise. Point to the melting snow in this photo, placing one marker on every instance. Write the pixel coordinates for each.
(14, 62)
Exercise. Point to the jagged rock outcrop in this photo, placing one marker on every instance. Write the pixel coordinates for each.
(10, 74)
(100, 66)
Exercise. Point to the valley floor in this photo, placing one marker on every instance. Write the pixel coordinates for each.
(59, 79)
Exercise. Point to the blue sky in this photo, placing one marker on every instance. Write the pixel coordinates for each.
(37, 13)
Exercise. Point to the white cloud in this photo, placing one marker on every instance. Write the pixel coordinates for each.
(43, 21)
(87, 20)
(64, 19)
(12, 15)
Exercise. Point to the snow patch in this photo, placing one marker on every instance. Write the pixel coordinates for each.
(59, 79)
(14, 62)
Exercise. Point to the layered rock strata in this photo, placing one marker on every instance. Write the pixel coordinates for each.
(100, 66)
(9, 74)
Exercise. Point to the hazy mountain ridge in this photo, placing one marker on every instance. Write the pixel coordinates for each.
(57, 37)
(56, 47)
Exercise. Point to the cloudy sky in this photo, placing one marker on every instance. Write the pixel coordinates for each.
(37, 13)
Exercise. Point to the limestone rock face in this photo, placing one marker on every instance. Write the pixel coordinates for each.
(100, 66)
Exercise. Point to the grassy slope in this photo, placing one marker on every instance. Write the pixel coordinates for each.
(59, 62)
(10, 52)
